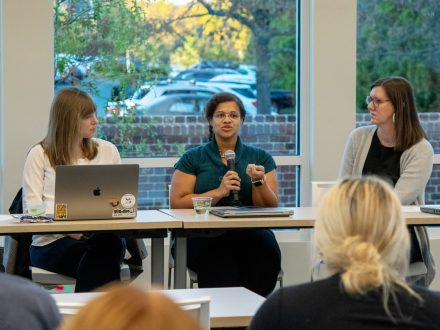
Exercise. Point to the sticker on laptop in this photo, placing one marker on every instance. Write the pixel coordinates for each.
(113, 202)
(128, 201)
(124, 213)
(61, 211)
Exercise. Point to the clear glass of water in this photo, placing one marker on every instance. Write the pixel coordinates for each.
(202, 205)
(37, 209)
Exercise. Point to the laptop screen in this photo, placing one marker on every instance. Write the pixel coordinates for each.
(96, 191)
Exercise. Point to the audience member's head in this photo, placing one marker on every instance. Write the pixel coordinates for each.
(361, 232)
(128, 307)
(25, 305)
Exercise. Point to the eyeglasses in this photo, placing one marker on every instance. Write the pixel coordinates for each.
(222, 115)
(376, 102)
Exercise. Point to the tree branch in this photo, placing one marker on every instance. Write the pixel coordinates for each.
(223, 13)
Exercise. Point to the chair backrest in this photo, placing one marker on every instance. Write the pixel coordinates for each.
(319, 188)
(169, 196)
(66, 312)
(43, 276)
(199, 309)
(16, 248)
(17, 203)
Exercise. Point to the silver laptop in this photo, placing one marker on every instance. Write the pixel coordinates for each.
(249, 211)
(96, 191)
(434, 209)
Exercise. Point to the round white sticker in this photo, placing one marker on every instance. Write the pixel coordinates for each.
(128, 201)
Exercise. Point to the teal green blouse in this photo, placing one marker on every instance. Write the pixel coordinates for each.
(205, 163)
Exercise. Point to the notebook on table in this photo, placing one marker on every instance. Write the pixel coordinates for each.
(249, 212)
(434, 209)
(96, 191)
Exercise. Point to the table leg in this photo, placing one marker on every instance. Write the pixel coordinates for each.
(180, 263)
(157, 261)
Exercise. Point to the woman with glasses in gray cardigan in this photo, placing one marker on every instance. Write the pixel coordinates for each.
(396, 149)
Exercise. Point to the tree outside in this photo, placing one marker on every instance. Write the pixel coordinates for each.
(134, 42)
(400, 37)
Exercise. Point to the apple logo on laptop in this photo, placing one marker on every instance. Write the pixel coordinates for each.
(97, 191)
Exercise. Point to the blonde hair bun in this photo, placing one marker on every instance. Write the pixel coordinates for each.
(361, 233)
(362, 265)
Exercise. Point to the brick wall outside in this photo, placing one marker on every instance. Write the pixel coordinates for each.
(171, 136)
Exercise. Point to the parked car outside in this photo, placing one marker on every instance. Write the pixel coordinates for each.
(202, 74)
(243, 91)
(142, 96)
(175, 104)
(246, 69)
(281, 99)
(69, 67)
(236, 78)
(149, 92)
(214, 64)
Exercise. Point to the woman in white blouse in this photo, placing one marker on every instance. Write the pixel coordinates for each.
(93, 261)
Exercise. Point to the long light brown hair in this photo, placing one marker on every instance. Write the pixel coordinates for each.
(125, 307)
(406, 120)
(360, 231)
(69, 107)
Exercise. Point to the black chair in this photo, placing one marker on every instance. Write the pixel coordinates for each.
(16, 258)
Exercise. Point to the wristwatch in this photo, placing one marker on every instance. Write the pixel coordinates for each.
(258, 183)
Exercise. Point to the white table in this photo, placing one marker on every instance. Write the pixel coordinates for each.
(303, 217)
(148, 224)
(229, 307)
(194, 224)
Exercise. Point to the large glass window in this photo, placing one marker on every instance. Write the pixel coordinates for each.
(401, 38)
(151, 66)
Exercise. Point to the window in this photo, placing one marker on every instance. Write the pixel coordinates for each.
(131, 56)
(400, 38)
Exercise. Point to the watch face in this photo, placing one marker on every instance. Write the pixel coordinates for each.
(258, 183)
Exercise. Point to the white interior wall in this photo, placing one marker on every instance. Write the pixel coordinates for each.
(332, 83)
(26, 91)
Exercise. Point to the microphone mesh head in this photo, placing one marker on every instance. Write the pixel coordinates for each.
(229, 154)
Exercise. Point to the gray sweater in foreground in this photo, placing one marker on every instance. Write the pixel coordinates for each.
(25, 305)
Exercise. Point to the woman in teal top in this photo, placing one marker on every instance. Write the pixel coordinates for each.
(249, 258)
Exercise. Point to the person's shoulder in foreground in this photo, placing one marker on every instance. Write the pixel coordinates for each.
(324, 305)
(25, 305)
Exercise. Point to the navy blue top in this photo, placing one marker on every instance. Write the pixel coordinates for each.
(205, 163)
(324, 305)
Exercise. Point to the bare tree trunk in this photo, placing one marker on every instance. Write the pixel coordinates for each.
(262, 54)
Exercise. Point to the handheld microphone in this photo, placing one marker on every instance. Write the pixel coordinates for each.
(230, 160)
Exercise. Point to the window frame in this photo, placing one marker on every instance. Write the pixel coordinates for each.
(326, 67)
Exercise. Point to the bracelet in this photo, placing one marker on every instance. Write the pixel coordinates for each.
(260, 182)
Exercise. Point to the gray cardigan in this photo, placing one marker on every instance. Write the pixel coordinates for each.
(415, 171)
